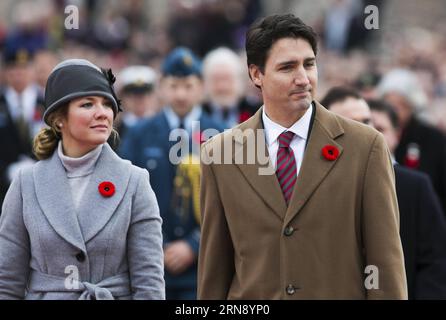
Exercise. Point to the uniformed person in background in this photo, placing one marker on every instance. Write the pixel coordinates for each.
(21, 109)
(176, 186)
(137, 89)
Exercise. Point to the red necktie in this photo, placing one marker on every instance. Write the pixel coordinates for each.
(286, 165)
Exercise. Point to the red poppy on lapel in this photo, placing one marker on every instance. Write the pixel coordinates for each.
(412, 158)
(106, 189)
(330, 153)
(37, 116)
(244, 115)
(198, 137)
(411, 163)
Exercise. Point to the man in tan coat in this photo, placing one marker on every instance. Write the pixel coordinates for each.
(319, 218)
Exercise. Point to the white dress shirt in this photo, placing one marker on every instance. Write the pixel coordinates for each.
(300, 129)
(191, 120)
(22, 103)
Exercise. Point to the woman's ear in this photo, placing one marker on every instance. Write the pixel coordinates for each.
(58, 123)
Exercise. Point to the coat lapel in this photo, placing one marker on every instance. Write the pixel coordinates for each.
(54, 197)
(315, 167)
(266, 185)
(96, 210)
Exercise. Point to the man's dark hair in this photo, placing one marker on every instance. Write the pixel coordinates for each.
(382, 106)
(264, 32)
(339, 94)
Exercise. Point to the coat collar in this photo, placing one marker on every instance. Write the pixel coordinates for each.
(54, 196)
(325, 129)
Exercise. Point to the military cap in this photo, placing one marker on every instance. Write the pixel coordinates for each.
(181, 62)
(137, 79)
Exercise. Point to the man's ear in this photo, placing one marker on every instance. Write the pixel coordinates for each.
(256, 75)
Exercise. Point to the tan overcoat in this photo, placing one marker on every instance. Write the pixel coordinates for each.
(337, 239)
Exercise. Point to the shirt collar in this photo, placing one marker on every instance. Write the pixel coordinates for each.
(218, 108)
(300, 128)
(394, 162)
(174, 121)
(29, 90)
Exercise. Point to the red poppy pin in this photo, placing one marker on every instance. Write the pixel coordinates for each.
(106, 189)
(199, 137)
(411, 163)
(37, 115)
(330, 153)
(412, 159)
(244, 115)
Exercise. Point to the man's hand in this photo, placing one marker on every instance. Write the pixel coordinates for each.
(178, 256)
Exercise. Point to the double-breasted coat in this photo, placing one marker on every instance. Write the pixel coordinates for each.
(110, 247)
(340, 227)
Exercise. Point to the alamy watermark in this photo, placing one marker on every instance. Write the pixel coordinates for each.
(371, 22)
(243, 147)
(72, 280)
(371, 282)
(72, 18)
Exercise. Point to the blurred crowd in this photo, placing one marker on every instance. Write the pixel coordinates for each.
(406, 67)
(117, 34)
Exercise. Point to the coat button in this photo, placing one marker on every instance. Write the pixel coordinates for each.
(289, 231)
(290, 290)
(80, 257)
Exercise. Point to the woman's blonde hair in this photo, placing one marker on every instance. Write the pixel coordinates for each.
(46, 141)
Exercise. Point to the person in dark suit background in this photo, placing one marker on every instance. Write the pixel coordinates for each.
(425, 255)
(422, 222)
(21, 110)
(176, 183)
(224, 82)
(420, 145)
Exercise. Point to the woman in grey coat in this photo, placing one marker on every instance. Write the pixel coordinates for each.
(81, 223)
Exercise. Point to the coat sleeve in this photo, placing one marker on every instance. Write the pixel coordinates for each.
(380, 228)
(14, 245)
(145, 252)
(216, 255)
(430, 275)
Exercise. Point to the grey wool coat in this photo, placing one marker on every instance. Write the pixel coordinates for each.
(110, 248)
